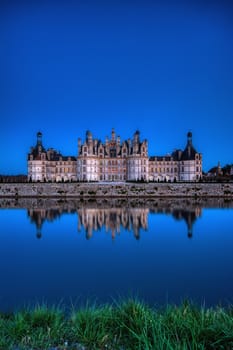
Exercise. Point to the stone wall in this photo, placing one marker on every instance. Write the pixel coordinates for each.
(156, 204)
(97, 190)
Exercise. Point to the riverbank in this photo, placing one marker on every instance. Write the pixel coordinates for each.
(116, 190)
(122, 326)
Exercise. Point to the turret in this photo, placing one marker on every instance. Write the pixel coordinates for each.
(79, 145)
(136, 136)
(136, 141)
(113, 134)
(95, 146)
(88, 136)
(189, 143)
(39, 138)
(39, 146)
(129, 143)
(189, 138)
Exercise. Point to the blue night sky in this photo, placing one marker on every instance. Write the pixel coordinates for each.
(163, 67)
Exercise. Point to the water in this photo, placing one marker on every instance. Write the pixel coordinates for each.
(160, 250)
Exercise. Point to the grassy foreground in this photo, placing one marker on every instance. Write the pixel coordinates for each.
(123, 326)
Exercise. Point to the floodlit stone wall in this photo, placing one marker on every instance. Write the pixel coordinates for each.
(97, 190)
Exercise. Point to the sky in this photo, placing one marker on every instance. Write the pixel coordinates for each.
(163, 67)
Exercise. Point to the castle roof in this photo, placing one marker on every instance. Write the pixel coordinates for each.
(188, 153)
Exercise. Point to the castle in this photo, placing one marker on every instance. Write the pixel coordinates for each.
(113, 161)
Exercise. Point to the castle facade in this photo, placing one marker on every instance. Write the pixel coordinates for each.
(50, 165)
(113, 161)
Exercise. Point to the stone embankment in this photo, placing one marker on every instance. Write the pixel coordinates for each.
(116, 190)
(156, 204)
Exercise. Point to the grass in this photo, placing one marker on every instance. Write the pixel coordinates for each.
(124, 325)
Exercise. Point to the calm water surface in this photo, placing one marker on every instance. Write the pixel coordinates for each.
(162, 251)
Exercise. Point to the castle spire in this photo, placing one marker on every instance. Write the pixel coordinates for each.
(113, 134)
(189, 138)
(39, 138)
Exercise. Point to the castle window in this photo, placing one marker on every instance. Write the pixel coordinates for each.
(112, 152)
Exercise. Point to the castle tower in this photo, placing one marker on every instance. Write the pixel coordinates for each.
(190, 165)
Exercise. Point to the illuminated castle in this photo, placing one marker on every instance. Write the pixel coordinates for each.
(113, 161)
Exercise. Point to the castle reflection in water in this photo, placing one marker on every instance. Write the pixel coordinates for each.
(131, 219)
(114, 217)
